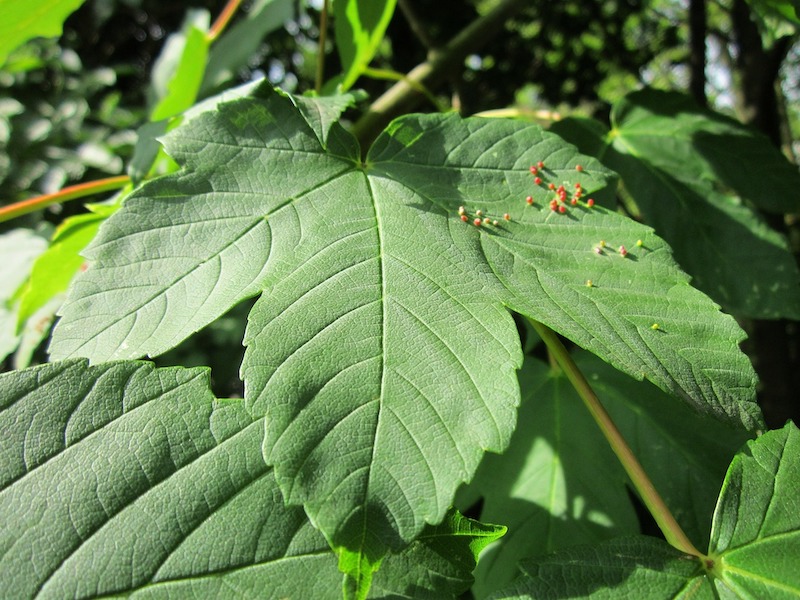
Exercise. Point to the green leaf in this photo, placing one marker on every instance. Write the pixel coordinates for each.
(178, 71)
(675, 161)
(383, 331)
(125, 479)
(673, 134)
(18, 249)
(557, 484)
(439, 563)
(755, 539)
(140, 483)
(26, 19)
(55, 268)
(638, 568)
(359, 28)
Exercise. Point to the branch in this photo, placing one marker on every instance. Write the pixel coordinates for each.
(68, 193)
(647, 491)
(403, 97)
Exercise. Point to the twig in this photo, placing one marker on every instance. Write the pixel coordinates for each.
(222, 20)
(68, 193)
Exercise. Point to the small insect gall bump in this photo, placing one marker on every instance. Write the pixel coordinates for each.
(551, 186)
(84, 267)
(578, 168)
(639, 243)
(598, 250)
(589, 283)
(590, 202)
(494, 222)
(529, 199)
(464, 218)
(577, 186)
(623, 251)
(655, 326)
(562, 209)
(554, 205)
(561, 189)
(534, 170)
(537, 180)
(540, 164)
(574, 201)
(462, 210)
(602, 243)
(486, 220)
(479, 213)
(507, 217)
(477, 222)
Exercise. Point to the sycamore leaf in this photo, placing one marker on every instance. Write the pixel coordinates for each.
(122, 478)
(439, 563)
(135, 481)
(689, 170)
(381, 351)
(755, 542)
(755, 538)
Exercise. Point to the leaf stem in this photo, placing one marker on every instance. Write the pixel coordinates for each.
(73, 192)
(655, 504)
(222, 20)
(323, 34)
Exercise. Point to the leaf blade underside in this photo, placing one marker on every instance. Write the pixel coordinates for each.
(381, 350)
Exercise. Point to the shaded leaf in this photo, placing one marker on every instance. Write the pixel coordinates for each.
(557, 484)
(242, 40)
(755, 541)
(685, 454)
(677, 162)
(635, 568)
(138, 482)
(439, 563)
